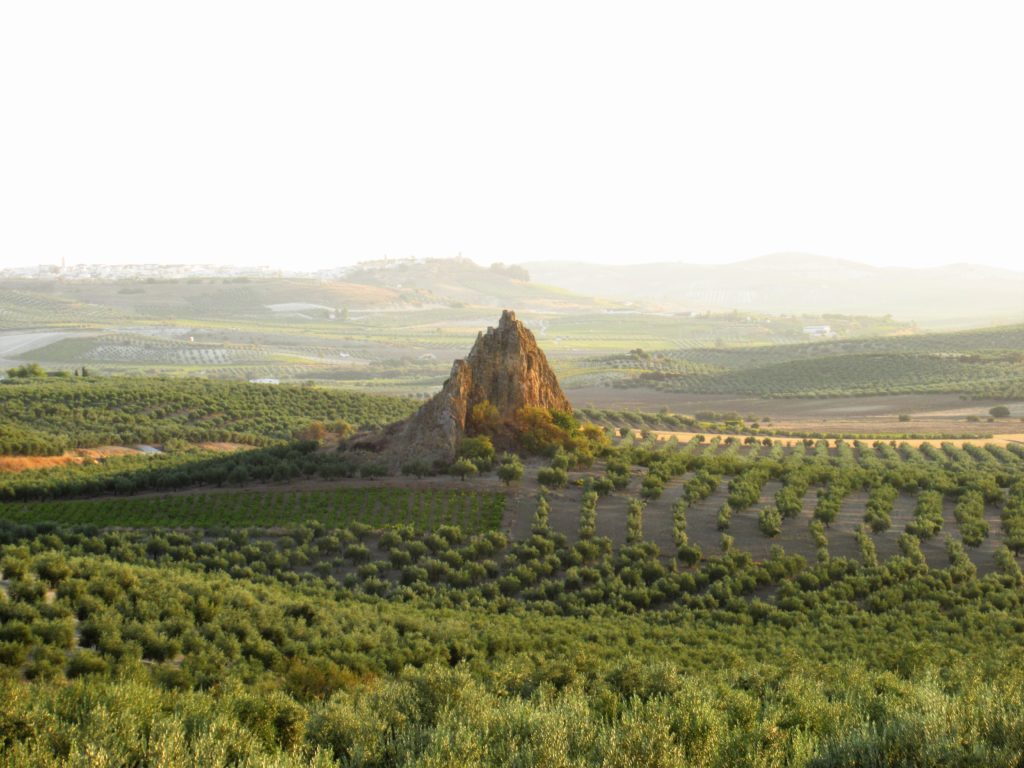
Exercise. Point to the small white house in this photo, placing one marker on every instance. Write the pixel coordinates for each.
(818, 330)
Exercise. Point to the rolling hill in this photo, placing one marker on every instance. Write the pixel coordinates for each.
(950, 296)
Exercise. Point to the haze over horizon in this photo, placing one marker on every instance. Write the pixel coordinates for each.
(242, 133)
(297, 264)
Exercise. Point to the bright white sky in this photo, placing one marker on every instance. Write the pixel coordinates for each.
(315, 134)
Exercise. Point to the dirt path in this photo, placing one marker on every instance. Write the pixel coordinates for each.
(1001, 440)
(790, 408)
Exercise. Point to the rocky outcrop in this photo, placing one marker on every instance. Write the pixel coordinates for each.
(505, 368)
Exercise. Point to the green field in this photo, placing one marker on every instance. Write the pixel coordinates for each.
(725, 601)
(393, 328)
(51, 415)
(319, 641)
(982, 364)
(423, 510)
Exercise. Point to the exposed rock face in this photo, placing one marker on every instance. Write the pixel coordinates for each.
(505, 368)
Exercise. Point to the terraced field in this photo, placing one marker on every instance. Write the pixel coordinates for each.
(133, 349)
(695, 591)
(30, 307)
(796, 481)
(795, 536)
(869, 465)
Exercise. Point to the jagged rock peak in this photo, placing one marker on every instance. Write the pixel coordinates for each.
(505, 368)
(510, 370)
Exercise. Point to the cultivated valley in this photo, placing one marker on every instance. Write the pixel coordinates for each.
(607, 535)
(534, 385)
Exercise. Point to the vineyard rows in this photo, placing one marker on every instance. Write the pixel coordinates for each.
(20, 309)
(423, 510)
(80, 413)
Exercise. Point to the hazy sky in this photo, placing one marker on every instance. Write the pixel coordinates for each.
(321, 133)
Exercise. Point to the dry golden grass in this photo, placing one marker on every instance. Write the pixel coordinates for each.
(23, 463)
(225, 447)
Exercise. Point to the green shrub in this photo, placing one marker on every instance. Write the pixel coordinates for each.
(510, 469)
(927, 515)
(86, 662)
(552, 477)
(463, 468)
(769, 520)
(479, 450)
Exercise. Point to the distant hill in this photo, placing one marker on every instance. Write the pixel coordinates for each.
(462, 280)
(372, 286)
(792, 283)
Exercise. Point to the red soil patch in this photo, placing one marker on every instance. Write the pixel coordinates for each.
(83, 455)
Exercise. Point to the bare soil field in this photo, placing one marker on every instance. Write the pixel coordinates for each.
(929, 413)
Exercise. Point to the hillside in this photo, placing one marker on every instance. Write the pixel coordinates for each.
(390, 326)
(718, 604)
(51, 415)
(982, 363)
(702, 600)
(462, 281)
(958, 294)
(372, 287)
